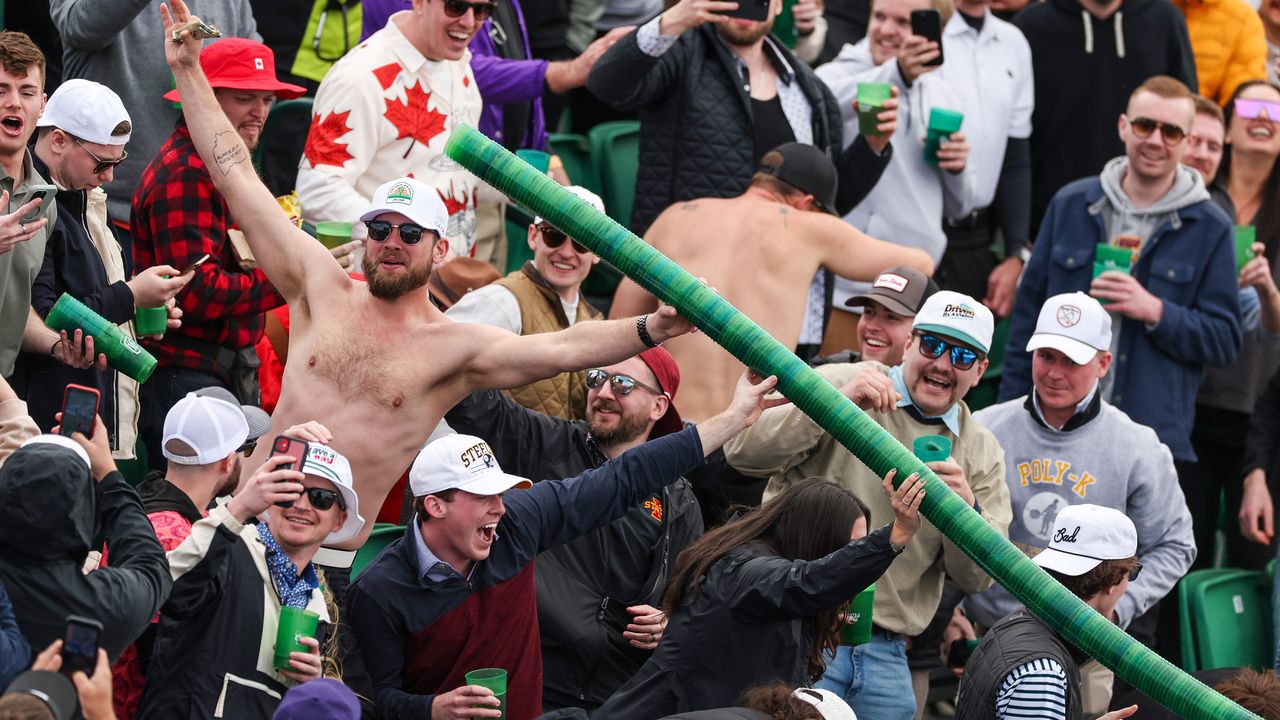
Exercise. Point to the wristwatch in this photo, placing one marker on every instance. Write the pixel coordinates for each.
(896, 548)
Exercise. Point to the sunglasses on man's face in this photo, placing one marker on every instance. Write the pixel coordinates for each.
(621, 384)
(102, 165)
(554, 239)
(380, 230)
(1257, 109)
(458, 8)
(322, 499)
(932, 347)
(1133, 574)
(1143, 127)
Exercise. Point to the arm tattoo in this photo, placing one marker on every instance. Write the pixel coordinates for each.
(228, 151)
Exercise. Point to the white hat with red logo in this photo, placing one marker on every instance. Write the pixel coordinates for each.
(1075, 325)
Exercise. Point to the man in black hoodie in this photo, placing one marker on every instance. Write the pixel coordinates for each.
(1087, 56)
(55, 496)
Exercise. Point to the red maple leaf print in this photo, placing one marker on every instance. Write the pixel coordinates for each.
(322, 146)
(452, 206)
(387, 74)
(413, 119)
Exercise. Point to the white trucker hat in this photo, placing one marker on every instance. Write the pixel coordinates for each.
(1084, 536)
(464, 462)
(328, 464)
(415, 200)
(211, 426)
(958, 317)
(1074, 324)
(87, 110)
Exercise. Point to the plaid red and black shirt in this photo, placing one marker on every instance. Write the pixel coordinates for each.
(177, 217)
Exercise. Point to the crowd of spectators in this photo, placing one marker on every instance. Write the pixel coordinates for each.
(1075, 287)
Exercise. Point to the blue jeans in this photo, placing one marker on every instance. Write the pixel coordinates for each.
(873, 678)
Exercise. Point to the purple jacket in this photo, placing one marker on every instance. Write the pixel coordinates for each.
(501, 81)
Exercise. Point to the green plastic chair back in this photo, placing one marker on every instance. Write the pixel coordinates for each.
(383, 534)
(575, 153)
(1188, 592)
(615, 153)
(271, 128)
(1232, 621)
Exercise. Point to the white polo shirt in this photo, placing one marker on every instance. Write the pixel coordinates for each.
(990, 73)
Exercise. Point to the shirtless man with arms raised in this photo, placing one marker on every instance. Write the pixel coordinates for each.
(760, 251)
(377, 363)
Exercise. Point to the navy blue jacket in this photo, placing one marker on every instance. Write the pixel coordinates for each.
(1189, 263)
(15, 653)
(392, 600)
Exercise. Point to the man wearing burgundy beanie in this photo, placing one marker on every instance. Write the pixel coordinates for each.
(597, 595)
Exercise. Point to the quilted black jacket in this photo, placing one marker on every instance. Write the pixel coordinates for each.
(695, 123)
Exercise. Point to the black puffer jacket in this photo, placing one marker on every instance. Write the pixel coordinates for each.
(50, 512)
(696, 137)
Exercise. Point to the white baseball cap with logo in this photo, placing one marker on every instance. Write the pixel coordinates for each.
(328, 464)
(87, 110)
(1075, 325)
(958, 317)
(1084, 536)
(464, 462)
(415, 200)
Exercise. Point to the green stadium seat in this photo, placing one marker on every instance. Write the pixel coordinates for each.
(1225, 617)
(615, 153)
(383, 534)
(575, 153)
(272, 127)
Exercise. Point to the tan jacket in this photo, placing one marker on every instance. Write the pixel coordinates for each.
(787, 446)
(16, 427)
(563, 395)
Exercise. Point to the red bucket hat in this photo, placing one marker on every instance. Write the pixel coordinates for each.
(242, 64)
(664, 368)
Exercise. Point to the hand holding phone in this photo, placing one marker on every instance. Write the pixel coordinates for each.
(23, 223)
(927, 23)
(41, 193)
(79, 409)
(198, 262)
(80, 645)
(285, 446)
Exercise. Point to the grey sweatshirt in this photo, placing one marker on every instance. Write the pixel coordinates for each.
(119, 44)
(1109, 460)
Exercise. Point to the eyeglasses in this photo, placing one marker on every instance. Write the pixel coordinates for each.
(1137, 568)
(380, 230)
(1143, 127)
(322, 499)
(248, 447)
(458, 8)
(1254, 109)
(932, 347)
(103, 165)
(621, 384)
(554, 239)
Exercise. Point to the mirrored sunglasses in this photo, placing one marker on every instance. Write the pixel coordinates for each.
(962, 358)
(621, 384)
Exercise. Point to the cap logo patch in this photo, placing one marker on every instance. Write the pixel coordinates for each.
(1062, 537)
(257, 63)
(958, 311)
(401, 194)
(1069, 315)
(896, 283)
(478, 458)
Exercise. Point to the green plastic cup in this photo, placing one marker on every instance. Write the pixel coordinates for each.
(1246, 236)
(496, 680)
(150, 321)
(871, 99)
(332, 233)
(857, 631)
(295, 624)
(932, 448)
(123, 352)
(942, 122)
(539, 160)
(1109, 258)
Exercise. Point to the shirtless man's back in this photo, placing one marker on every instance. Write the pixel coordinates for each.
(760, 252)
(376, 362)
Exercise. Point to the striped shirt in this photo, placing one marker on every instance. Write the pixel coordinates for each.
(1037, 689)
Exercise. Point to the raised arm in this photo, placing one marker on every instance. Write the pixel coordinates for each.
(850, 253)
(288, 256)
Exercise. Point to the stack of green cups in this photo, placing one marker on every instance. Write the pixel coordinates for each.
(871, 100)
(123, 352)
(496, 680)
(295, 624)
(857, 631)
(942, 122)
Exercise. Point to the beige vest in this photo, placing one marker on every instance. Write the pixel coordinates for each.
(563, 395)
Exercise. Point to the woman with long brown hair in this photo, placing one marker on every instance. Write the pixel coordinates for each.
(759, 598)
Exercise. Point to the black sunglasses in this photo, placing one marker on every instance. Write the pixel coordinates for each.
(103, 165)
(621, 384)
(380, 230)
(1143, 127)
(322, 499)
(248, 447)
(1137, 568)
(932, 347)
(554, 239)
(458, 8)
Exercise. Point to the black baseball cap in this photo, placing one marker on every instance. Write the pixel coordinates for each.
(53, 689)
(805, 168)
(901, 289)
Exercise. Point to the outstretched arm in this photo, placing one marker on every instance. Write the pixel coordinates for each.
(850, 253)
(288, 256)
